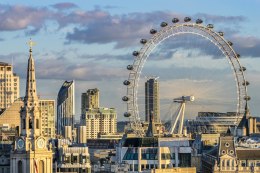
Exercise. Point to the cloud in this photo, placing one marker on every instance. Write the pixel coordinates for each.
(209, 18)
(19, 17)
(54, 66)
(64, 6)
(124, 30)
(246, 45)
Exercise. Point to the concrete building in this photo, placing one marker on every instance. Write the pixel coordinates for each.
(212, 122)
(9, 85)
(152, 99)
(151, 153)
(100, 121)
(73, 159)
(89, 100)
(231, 156)
(66, 109)
(5, 148)
(31, 151)
(47, 112)
(10, 118)
(248, 125)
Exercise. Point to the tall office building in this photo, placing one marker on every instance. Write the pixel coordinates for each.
(9, 85)
(152, 100)
(89, 100)
(31, 152)
(47, 112)
(66, 109)
(100, 121)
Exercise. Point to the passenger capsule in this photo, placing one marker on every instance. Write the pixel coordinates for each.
(130, 67)
(230, 43)
(153, 31)
(175, 20)
(135, 53)
(125, 98)
(246, 83)
(221, 33)
(242, 69)
(127, 114)
(238, 55)
(210, 26)
(163, 24)
(126, 82)
(247, 98)
(199, 21)
(143, 41)
(187, 19)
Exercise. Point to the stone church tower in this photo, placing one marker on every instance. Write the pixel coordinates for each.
(31, 153)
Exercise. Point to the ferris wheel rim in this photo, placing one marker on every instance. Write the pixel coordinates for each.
(166, 32)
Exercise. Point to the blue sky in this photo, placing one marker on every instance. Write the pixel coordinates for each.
(91, 42)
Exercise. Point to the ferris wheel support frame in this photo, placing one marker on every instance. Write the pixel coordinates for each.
(167, 31)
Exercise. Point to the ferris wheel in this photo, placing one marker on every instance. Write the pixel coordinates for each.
(180, 28)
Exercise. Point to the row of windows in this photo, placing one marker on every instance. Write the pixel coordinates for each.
(8, 68)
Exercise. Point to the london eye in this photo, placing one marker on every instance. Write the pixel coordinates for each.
(177, 28)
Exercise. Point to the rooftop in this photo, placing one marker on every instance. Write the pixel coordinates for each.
(141, 142)
(248, 154)
(4, 64)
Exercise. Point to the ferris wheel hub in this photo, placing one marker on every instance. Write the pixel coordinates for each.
(184, 99)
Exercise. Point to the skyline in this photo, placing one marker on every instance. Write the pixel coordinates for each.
(92, 42)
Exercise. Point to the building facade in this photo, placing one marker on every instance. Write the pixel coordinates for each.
(66, 108)
(31, 152)
(47, 112)
(100, 121)
(10, 118)
(232, 156)
(212, 122)
(73, 159)
(9, 85)
(89, 100)
(152, 99)
(150, 153)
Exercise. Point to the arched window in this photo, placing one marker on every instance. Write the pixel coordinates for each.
(30, 123)
(20, 167)
(41, 166)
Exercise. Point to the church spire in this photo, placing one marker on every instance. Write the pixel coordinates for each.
(31, 98)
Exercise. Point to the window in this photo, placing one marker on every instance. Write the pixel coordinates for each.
(75, 159)
(142, 167)
(67, 159)
(83, 159)
(228, 163)
(20, 166)
(227, 144)
(231, 152)
(24, 123)
(30, 123)
(243, 164)
(37, 123)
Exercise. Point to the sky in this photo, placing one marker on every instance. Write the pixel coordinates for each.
(92, 42)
